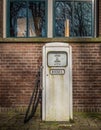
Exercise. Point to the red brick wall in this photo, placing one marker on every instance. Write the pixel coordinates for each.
(19, 64)
(87, 76)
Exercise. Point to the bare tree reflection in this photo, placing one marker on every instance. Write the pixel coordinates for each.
(79, 15)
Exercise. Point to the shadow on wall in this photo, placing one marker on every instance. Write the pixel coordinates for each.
(18, 68)
(87, 77)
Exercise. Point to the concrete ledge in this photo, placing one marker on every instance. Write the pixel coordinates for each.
(45, 40)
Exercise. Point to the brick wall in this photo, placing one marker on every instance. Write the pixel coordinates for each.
(19, 65)
(87, 77)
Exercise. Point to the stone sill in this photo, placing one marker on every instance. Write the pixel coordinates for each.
(46, 40)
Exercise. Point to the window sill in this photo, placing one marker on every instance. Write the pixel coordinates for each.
(46, 40)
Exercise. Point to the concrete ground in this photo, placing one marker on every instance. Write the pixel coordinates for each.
(14, 120)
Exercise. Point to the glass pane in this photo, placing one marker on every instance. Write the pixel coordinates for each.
(36, 19)
(82, 18)
(18, 19)
(73, 18)
(63, 11)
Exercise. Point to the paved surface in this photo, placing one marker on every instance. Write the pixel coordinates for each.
(14, 120)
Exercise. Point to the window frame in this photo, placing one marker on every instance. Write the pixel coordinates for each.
(49, 17)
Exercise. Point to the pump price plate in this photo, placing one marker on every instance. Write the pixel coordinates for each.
(57, 71)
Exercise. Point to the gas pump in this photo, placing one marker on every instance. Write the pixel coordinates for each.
(57, 82)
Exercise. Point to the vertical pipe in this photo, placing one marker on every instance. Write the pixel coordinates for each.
(67, 28)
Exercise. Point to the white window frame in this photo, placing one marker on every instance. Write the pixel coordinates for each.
(4, 18)
(50, 19)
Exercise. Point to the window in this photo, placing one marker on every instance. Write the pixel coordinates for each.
(51, 18)
(26, 18)
(73, 18)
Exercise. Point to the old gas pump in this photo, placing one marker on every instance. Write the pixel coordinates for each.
(57, 82)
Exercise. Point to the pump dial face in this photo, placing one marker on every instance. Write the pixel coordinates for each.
(57, 59)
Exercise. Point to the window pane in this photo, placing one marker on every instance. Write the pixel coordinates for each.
(18, 19)
(27, 18)
(63, 11)
(73, 18)
(82, 18)
(36, 19)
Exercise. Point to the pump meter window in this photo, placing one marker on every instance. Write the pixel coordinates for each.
(57, 59)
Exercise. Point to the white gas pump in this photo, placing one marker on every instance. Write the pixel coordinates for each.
(57, 82)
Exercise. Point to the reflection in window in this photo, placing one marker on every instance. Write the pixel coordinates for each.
(37, 16)
(27, 19)
(73, 18)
